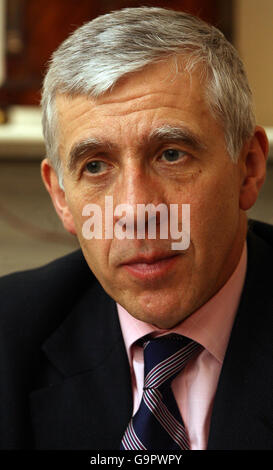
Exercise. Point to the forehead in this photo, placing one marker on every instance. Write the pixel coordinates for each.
(158, 94)
(165, 76)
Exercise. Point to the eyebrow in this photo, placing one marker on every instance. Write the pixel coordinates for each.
(80, 149)
(177, 134)
(163, 133)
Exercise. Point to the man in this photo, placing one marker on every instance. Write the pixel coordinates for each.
(145, 106)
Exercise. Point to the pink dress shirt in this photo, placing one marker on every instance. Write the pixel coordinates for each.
(194, 388)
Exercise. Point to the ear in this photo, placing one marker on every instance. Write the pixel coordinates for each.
(253, 160)
(57, 194)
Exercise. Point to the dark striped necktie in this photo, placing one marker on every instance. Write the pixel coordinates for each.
(158, 425)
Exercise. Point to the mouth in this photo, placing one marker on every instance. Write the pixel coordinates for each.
(150, 267)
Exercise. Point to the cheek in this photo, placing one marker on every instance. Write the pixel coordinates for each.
(214, 212)
(96, 253)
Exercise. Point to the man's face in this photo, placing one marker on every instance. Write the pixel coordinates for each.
(135, 165)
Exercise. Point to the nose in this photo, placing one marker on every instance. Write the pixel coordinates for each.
(138, 186)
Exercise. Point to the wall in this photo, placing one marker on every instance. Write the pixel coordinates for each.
(253, 37)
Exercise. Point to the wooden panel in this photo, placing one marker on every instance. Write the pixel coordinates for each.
(42, 26)
(37, 27)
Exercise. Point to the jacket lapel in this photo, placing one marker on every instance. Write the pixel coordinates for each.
(242, 412)
(87, 402)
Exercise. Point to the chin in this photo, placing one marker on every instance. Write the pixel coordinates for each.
(165, 323)
(161, 316)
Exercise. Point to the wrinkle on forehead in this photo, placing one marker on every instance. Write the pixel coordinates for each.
(80, 106)
(134, 98)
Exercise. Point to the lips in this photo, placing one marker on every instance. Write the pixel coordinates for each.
(149, 259)
(150, 267)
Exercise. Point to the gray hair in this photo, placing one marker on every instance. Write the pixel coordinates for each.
(100, 52)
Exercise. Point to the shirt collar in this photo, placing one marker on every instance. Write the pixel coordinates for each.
(210, 325)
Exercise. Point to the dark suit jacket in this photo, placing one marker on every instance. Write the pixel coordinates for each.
(65, 378)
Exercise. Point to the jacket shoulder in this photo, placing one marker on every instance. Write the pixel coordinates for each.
(42, 295)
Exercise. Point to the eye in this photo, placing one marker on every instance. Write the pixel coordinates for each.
(96, 166)
(172, 155)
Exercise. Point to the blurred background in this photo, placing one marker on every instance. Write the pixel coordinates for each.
(30, 30)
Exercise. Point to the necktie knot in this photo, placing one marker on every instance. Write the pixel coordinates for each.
(165, 357)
